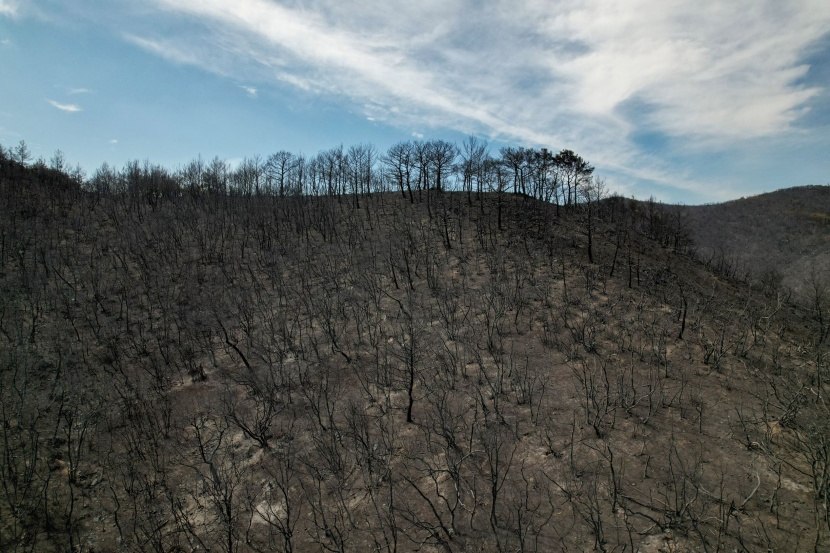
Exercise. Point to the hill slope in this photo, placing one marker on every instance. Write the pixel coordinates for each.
(452, 374)
(783, 235)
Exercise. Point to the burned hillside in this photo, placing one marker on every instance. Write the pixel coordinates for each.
(437, 371)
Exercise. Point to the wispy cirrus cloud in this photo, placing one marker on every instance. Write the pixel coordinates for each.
(80, 91)
(632, 85)
(725, 70)
(171, 52)
(588, 75)
(249, 90)
(72, 108)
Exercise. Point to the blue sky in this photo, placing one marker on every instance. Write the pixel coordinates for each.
(688, 101)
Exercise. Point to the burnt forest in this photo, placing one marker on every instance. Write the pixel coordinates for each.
(423, 349)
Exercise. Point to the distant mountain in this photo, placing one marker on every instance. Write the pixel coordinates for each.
(778, 235)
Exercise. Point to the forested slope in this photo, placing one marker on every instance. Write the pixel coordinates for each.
(781, 236)
(196, 372)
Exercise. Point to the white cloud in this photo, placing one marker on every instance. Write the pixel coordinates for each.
(5, 42)
(249, 90)
(164, 49)
(583, 74)
(114, 141)
(723, 69)
(65, 107)
(9, 8)
(80, 91)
